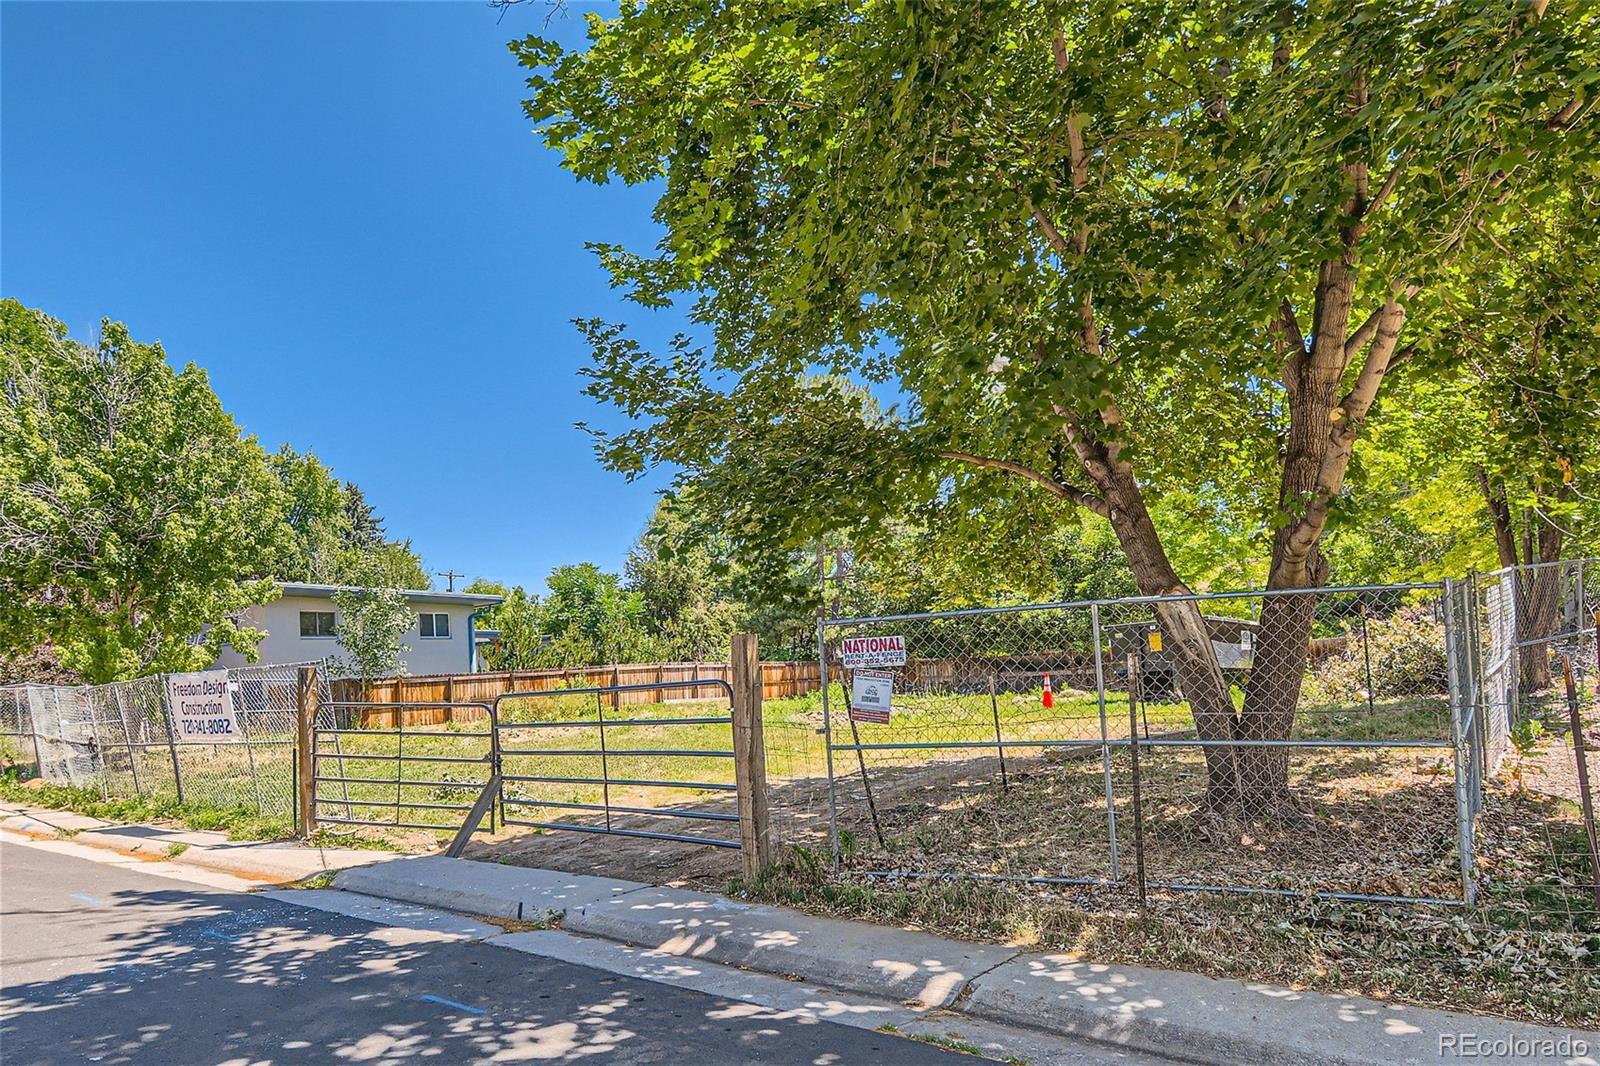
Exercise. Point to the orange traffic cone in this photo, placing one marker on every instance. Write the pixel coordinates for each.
(1049, 697)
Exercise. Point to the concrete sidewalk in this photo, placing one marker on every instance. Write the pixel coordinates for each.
(260, 862)
(1164, 1012)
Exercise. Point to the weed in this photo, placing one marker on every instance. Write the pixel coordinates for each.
(176, 849)
(1526, 735)
(239, 822)
(949, 1043)
(317, 880)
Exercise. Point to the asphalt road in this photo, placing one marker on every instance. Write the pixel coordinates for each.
(106, 964)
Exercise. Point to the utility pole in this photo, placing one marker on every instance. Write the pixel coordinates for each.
(449, 576)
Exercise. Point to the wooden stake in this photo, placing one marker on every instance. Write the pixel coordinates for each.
(749, 757)
(999, 746)
(861, 758)
(306, 699)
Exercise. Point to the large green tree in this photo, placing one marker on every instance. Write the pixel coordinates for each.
(1106, 251)
(133, 513)
(1519, 399)
(338, 539)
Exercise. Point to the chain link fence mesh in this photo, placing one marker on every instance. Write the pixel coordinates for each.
(118, 739)
(1396, 742)
(1064, 743)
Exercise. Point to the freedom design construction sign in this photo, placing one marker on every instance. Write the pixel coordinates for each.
(202, 708)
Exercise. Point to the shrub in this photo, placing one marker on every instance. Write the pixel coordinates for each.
(1407, 654)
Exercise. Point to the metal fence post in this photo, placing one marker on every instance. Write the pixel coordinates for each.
(1454, 685)
(827, 740)
(307, 697)
(605, 767)
(1105, 740)
(749, 757)
(1133, 751)
(33, 731)
(127, 738)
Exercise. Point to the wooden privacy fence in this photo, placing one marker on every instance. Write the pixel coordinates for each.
(778, 680)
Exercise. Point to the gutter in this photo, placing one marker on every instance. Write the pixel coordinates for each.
(472, 639)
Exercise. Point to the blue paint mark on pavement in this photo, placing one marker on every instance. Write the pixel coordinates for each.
(214, 935)
(431, 998)
(86, 899)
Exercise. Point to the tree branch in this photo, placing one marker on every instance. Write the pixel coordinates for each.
(1385, 190)
(1291, 327)
(1358, 401)
(1358, 340)
(1057, 488)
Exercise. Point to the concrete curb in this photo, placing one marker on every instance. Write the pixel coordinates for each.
(1235, 1021)
(850, 956)
(261, 861)
(1135, 1008)
(519, 892)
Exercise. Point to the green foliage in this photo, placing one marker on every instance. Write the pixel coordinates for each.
(337, 537)
(132, 511)
(683, 581)
(587, 617)
(316, 517)
(1405, 653)
(591, 618)
(929, 199)
(372, 625)
(137, 522)
(518, 620)
(240, 823)
(1526, 735)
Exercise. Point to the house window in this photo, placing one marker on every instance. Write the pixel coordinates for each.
(316, 623)
(434, 625)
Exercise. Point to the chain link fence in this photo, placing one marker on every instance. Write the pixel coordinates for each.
(119, 739)
(1280, 744)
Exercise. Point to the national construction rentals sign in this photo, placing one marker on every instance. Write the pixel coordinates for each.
(858, 652)
(202, 708)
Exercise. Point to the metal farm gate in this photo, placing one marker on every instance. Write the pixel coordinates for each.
(589, 761)
(417, 765)
(443, 778)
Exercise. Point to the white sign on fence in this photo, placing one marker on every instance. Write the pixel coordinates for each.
(202, 708)
(871, 692)
(856, 652)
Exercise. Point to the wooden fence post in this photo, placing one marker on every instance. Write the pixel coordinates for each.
(749, 757)
(305, 734)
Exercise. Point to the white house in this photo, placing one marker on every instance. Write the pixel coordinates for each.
(303, 626)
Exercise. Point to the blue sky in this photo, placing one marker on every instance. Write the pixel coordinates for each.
(340, 211)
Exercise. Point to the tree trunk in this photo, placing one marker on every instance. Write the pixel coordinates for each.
(1183, 630)
(1505, 539)
(1322, 432)
(1539, 599)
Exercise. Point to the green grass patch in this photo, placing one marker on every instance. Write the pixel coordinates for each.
(238, 822)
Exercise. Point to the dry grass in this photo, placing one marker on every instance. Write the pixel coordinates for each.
(1536, 959)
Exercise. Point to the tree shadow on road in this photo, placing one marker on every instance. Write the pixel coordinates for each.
(188, 976)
